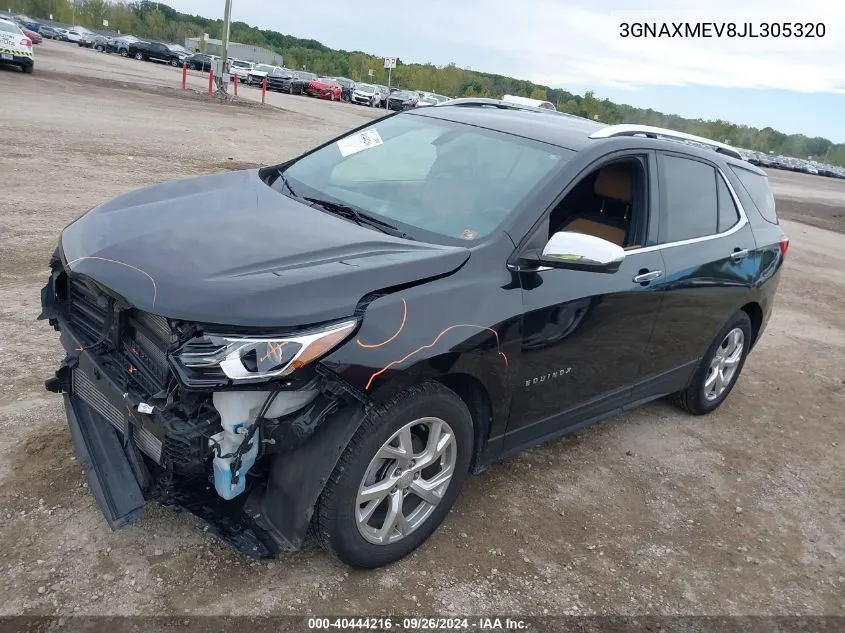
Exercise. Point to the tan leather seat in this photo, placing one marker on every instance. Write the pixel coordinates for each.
(612, 183)
(598, 229)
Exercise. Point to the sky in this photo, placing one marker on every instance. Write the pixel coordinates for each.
(793, 84)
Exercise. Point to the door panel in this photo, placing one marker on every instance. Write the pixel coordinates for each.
(584, 334)
(708, 277)
(704, 287)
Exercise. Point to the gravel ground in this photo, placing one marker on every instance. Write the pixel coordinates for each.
(741, 512)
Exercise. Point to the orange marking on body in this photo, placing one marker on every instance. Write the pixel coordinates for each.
(401, 327)
(432, 344)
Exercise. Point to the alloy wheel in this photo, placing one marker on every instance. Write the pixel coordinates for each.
(406, 480)
(724, 364)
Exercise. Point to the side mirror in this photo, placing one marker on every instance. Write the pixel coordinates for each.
(579, 251)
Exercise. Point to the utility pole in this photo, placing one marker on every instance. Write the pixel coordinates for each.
(222, 68)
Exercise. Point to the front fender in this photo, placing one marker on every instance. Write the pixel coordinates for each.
(449, 326)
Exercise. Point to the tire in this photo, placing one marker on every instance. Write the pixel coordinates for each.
(336, 516)
(124, 53)
(290, 88)
(174, 62)
(699, 398)
(28, 68)
(139, 57)
(100, 49)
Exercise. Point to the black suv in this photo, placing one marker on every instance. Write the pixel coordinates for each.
(336, 341)
(154, 52)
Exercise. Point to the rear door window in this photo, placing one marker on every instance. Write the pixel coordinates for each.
(690, 197)
(757, 187)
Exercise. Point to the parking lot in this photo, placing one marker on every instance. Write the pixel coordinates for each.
(654, 511)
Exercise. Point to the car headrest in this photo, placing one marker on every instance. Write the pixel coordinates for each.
(614, 182)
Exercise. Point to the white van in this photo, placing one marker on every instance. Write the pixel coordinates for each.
(537, 103)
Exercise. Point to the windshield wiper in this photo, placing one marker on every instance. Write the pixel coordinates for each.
(356, 216)
(286, 184)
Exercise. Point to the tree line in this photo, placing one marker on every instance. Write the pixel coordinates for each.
(159, 21)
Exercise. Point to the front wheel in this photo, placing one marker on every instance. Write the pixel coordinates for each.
(139, 56)
(397, 479)
(174, 62)
(719, 369)
(124, 53)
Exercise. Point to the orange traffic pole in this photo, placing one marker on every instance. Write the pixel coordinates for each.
(263, 90)
(211, 83)
(236, 85)
(184, 76)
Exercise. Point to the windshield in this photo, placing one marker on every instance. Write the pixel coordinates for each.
(264, 68)
(449, 179)
(9, 28)
(238, 64)
(365, 88)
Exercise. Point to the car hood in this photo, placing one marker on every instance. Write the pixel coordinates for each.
(228, 249)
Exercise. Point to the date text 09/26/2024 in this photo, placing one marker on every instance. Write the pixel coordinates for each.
(695, 30)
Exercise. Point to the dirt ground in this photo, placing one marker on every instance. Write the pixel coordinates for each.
(652, 512)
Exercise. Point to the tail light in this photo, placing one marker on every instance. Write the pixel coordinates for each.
(26, 42)
(784, 245)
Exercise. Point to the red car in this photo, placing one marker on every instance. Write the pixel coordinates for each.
(324, 88)
(35, 37)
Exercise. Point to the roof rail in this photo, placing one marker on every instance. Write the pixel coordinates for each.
(503, 105)
(657, 132)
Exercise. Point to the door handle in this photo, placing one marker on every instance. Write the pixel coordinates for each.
(646, 276)
(739, 254)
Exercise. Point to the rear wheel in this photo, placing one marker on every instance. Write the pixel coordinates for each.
(397, 479)
(719, 369)
(124, 53)
(139, 56)
(174, 62)
(28, 68)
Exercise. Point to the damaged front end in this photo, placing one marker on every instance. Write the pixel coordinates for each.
(240, 429)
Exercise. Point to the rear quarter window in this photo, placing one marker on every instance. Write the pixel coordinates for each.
(757, 188)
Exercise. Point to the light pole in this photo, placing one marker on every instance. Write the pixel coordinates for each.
(224, 54)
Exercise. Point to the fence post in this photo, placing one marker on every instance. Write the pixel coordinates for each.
(211, 83)
(263, 90)
(184, 76)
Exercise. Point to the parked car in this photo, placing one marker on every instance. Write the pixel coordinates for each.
(324, 88)
(382, 327)
(200, 61)
(77, 33)
(62, 33)
(347, 85)
(120, 45)
(34, 36)
(155, 52)
(384, 92)
(15, 47)
(49, 32)
(366, 94)
(27, 22)
(257, 75)
(240, 68)
(402, 100)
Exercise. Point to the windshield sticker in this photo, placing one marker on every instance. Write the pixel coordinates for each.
(359, 142)
(469, 234)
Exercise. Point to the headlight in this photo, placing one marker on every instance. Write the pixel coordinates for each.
(244, 358)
